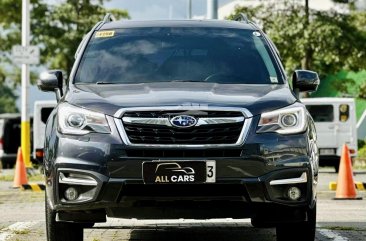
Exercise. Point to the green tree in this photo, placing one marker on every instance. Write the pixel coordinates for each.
(57, 29)
(9, 34)
(63, 27)
(7, 100)
(329, 41)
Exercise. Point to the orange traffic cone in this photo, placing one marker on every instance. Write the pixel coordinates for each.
(345, 185)
(20, 176)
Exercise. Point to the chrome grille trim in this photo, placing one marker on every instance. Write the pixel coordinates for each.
(147, 121)
(120, 112)
(243, 134)
(166, 122)
(219, 120)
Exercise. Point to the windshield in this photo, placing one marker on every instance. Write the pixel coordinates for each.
(146, 55)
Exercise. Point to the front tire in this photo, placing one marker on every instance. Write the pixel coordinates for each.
(301, 231)
(61, 231)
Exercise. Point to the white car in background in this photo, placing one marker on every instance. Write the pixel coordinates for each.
(42, 110)
(335, 122)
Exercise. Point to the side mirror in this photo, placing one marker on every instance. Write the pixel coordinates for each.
(51, 81)
(305, 80)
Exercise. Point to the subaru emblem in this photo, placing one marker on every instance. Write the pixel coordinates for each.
(183, 121)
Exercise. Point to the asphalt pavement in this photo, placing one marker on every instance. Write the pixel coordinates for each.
(22, 219)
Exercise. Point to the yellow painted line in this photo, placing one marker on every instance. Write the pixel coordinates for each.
(360, 186)
(34, 187)
(332, 186)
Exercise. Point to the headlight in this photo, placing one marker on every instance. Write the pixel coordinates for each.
(78, 121)
(289, 120)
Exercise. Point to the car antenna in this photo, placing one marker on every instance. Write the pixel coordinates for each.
(241, 17)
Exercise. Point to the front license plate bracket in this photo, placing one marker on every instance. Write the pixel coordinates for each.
(179, 172)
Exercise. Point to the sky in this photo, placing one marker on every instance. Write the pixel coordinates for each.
(172, 9)
(161, 9)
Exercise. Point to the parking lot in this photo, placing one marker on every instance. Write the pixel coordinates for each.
(22, 218)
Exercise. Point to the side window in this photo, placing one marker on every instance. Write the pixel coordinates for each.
(321, 113)
(278, 57)
(343, 112)
(81, 45)
(266, 59)
(273, 46)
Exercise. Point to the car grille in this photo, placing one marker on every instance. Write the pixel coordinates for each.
(223, 133)
(163, 113)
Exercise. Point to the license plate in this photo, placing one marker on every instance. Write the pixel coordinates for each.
(327, 151)
(171, 172)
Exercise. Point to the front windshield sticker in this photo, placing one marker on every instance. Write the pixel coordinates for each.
(257, 34)
(274, 79)
(104, 34)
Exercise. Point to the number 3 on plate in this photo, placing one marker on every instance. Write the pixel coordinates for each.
(211, 171)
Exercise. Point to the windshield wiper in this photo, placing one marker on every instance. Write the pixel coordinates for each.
(180, 80)
(104, 83)
(111, 83)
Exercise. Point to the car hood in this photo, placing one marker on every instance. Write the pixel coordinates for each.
(109, 99)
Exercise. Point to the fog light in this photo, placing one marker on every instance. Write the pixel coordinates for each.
(71, 194)
(294, 193)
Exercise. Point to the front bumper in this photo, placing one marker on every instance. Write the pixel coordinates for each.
(234, 197)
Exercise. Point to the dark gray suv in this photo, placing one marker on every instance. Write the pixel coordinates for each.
(179, 119)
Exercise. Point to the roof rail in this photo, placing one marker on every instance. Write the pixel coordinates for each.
(108, 18)
(241, 17)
